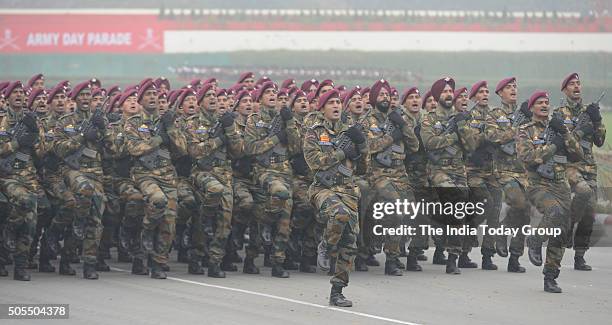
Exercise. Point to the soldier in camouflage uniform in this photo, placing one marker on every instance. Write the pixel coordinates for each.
(131, 200)
(545, 146)
(150, 139)
(501, 129)
(585, 123)
(390, 138)
(443, 133)
(18, 179)
(481, 180)
(273, 172)
(79, 135)
(210, 138)
(333, 193)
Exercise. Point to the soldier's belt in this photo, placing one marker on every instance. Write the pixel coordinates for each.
(217, 159)
(156, 159)
(90, 164)
(448, 162)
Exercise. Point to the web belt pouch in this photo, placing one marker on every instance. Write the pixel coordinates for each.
(22, 156)
(74, 160)
(150, 160)
(508, 148)
(6, 164)
(264, 159)
(560, 159)
(384, 157)
(585, 144)
(326, 177)
(451, 150)
(546, 170)
(90, 153)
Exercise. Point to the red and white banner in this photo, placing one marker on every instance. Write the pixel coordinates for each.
(80, 34)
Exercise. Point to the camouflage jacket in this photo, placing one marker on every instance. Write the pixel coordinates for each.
(115, 151)
(325, 160)
(480, 150)
(444, 150)
(209, 152)
(571, 115)
(417, 160)
(71, 146)
(14, 160)
(534, 151)
(499, 131)
(381, 144)
(269, 153)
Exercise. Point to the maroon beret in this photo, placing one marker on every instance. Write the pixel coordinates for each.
(408, 92)
(221, 92)
(200, 94)
(326, 82)
(310, 97)
(476, 87)
(78, 88)
(503, 83)
(12, 86)
(262, 80)
(95, 81)
(34, 78)
(376, 88)
(240, 95)
(33, 94)
(112, 89)
(237, 88)
(162, 95)
(326, 97)
(124, 96)
(365, 90)
(347, 97)
(58, 89)
(283, 92)
(287, 83)
(98, 92)
(307, 84)
(536, 95)
(438, 87)
(184, 94)
(297, 94)
(568, 79)
(162, 80)
(173, 95)
(245, 75)
(195, 83)
(143, 87)
(424, 98)
(143, 82)
(112, 101)
(459, 92)
(291, 90)
(264, 86)
(64, 83)
(3, 85)
(210, 80)
(394, 92)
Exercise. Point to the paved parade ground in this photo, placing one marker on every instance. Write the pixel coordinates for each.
(428, 297)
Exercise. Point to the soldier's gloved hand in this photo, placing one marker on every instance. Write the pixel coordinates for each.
(282, 136)
(113, 117)
(594, 113)
(525, 109)
(350, 152)
(91, 134)
(396, 134)
(286, 113)
(29, 120)
(227, 119)
(355, 133)
(163, 134)
(559, 142)
(556, 123)
(396, 119)
(299, 165)
(167, 120)
(98, 122)
(26, 140)
(463, 116)
(586, 129)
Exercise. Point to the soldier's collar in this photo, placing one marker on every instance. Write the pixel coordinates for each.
(573, 104)
(508, 107)
(443, 112)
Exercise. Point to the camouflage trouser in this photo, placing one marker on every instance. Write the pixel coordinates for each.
(390, 189)
(339, 206)
(21, 193)
(89, 194)
(553, 201)
(188, 219)
(214, 190)
(273, 204)
(160, 195)
(64, 204)
(484, 189)
(303, 240)
(43, 221)
(417, 177)
(243, 212)
(584, 187)
(132, 204)
(111, 219)
(450, 184)
(518, 213)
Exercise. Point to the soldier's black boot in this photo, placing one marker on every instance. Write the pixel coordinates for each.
(194, 267)
(487, 263)
(234, 256)
(392, 268)
(182, 255)
(501, 246)
(550, 284)
(45, 266)
(214, 271)
(336, 298)
(20, 272)
(138, 267)
(65, 268)
(267, 261)
(290, 264)
(305, 265)
(580, 264)
(89, 271)
(101, 265)
(164, 267)
(237, 237)
(514, 265)
(412, 263)
(52, 238)
(278, 271)
(228, 265)
(360, 264)
(466, 262)
(323, 256)
(421, 255)
(451, 264)
(148, 239)
(3, 271)
(8, 238)
(535, 251)
(371, 261)
(123, 256)
(249, 266)
(156, 270)
(438, 256)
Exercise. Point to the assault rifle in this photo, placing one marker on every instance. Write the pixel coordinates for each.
(20, 129)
